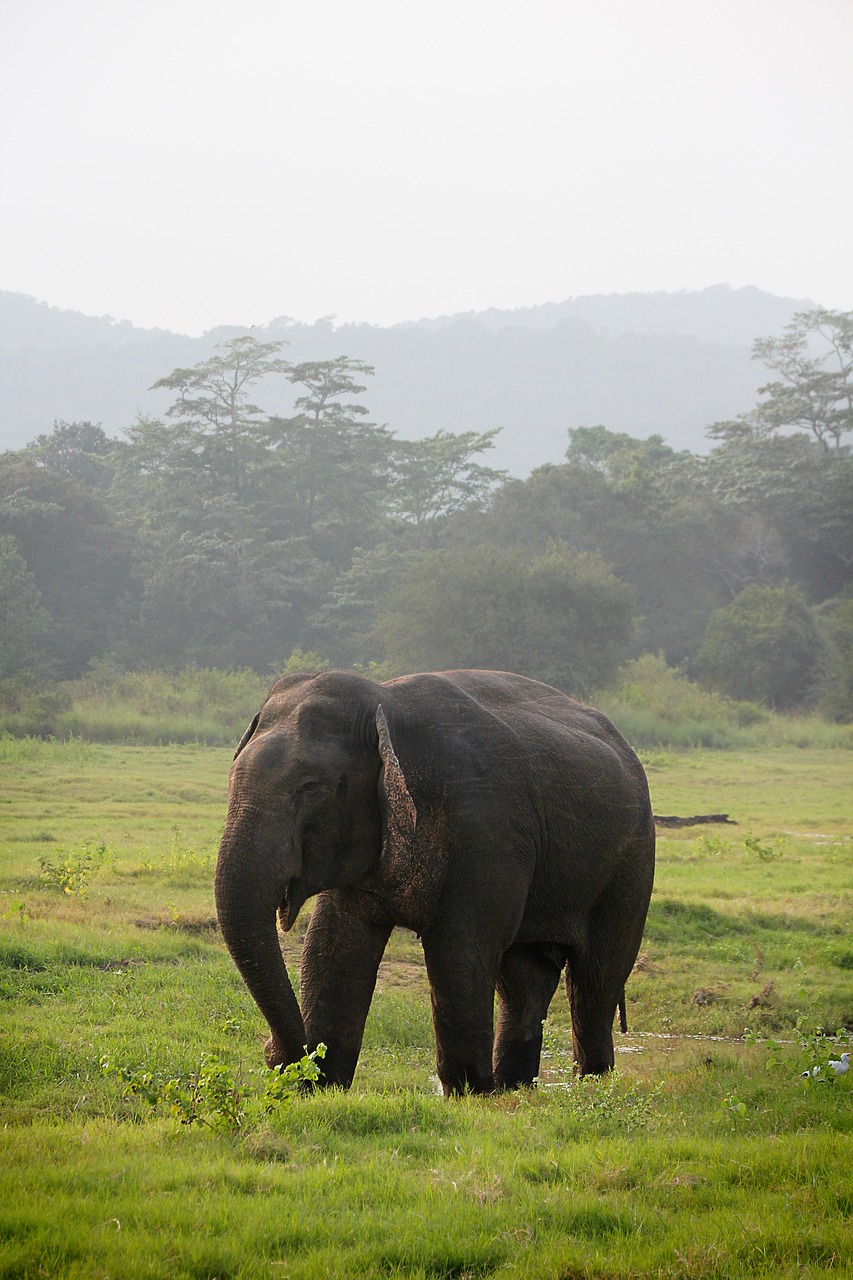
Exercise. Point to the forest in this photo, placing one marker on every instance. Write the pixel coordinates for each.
(221, 537)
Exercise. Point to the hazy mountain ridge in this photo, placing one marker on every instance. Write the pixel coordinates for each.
(26, 322)
(734, 317)
(669, 363)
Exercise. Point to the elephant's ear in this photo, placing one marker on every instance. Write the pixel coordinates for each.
(247, 735)
(399, 816)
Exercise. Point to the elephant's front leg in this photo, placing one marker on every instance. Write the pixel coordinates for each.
(462, 984)
(344, 944)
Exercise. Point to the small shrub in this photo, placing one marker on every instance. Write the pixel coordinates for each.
(710, 846)
(766, 850)
(657, 706)
(71, 870)
(283, 1083)
(807, 1058)
(304, 660)
(182, 858)
(34, 750)
(732, 1106)
(211, 1095)
(17, 910)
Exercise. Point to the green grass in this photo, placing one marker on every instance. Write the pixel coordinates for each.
(706, 1155)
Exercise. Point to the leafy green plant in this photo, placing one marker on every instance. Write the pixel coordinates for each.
(210, 1095)
(17, 910)
(765, 851)
(283, 1083)
(136, 1082)
(731, 1105)
(305, 660)
(806, 1057)
(182, 858)
(72, 869)
(709, 846)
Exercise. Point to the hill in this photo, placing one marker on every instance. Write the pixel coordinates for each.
(669, 363)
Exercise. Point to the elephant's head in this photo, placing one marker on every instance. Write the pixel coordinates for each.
(317, 800)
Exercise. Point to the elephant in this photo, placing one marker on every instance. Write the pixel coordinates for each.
(506, 824)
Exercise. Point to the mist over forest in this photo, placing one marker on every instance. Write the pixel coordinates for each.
(665, 363)
(560, 491)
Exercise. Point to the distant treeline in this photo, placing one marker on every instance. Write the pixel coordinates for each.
(222, 537)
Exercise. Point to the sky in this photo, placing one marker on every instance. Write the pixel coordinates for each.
(190, 163)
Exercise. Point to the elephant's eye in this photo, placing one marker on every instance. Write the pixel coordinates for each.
(306, 787)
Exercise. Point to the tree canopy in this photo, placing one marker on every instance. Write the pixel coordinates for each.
(814, 389)
(225, 535)
(561, 617)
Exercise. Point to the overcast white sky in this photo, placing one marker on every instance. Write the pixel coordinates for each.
(187, 163)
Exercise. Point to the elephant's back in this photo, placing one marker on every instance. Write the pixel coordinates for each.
(519, 702)
(560, 751)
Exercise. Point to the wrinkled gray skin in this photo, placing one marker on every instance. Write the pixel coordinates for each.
(506, 824)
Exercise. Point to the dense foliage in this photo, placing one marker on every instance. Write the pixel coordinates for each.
(222, 537)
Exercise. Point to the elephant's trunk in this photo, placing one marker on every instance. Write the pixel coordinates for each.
(247, 897)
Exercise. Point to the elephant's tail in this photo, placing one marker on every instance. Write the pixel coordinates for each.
(623, 1014)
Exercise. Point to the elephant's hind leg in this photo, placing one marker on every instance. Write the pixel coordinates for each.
(593, 1004)
(527, 980)
(598, 970)
(595, 979)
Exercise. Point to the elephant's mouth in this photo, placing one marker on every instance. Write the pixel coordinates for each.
(287, 908)
(291, 903)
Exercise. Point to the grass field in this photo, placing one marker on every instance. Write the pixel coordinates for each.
(140, 1137)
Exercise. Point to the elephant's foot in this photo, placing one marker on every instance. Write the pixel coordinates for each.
(517, 1063)
(457, 1087)
(274, 1055)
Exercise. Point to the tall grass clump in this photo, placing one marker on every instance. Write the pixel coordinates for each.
(656, 706)
(142, 707)
(31, 750)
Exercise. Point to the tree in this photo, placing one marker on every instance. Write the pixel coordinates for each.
(615, 453)
(81, 450)
(343, 625)
(215, 407)
(239, 557)
(558, 617)
(794, 487)
(327, 470)
(24, 623)
(814, 390)
(219, 599)
(78, 554)
(639, 506)
(835, 687)
(436, 477)
(763, 647)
